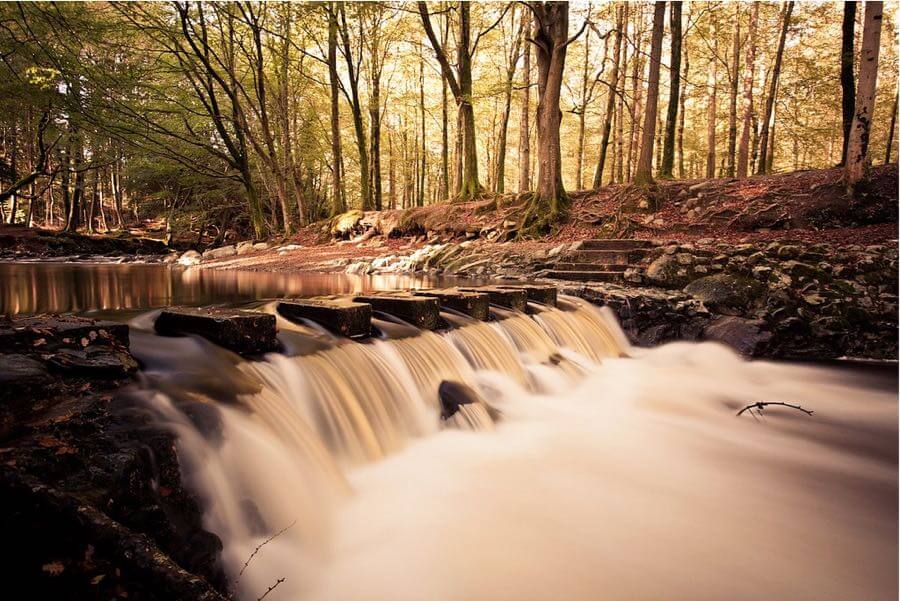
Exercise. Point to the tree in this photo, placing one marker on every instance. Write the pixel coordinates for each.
(743, 157)
(848, 94)
(734, 76)
(461, 86)
(610, 97)
(773, 87)
(711, 81)
(668, 156)
(550, 37)
(524, 120)
(890, 140)
(338, 205)
(856, 169)
(512, 60)
(643, 174)
(354, 63)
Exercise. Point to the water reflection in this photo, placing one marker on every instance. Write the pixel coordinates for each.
(79, 288)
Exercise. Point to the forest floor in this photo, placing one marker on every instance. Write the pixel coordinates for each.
(806, 206)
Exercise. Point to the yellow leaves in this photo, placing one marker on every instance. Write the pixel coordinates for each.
(54, 568)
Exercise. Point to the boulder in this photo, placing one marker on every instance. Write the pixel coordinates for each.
(349, 319)
(725, 293)
(747, 336)
(668, 271)
(245, 332)
(190, 257)
(220, 253)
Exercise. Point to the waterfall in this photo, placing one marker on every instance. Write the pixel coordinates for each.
(576, 472)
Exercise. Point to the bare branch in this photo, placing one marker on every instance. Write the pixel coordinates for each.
(759, 405)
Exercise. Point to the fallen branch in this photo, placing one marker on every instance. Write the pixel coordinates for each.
(760, 405)
(270, 589)
(260, 546)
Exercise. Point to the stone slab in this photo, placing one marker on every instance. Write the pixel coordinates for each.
(473, 304)
(422, 312)
(505, 297)
(539, 293)
(350, 319)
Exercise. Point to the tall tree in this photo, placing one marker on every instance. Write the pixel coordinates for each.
(512, 60)
(773, 88)
(734, 76)
(550, 37)
(525, 117)
(643, 174)
(461, 86)
(353, 59)
(856, 169)
(890, 140)
(848, 94)
(338, 205)
(711, 81)
(668, 154)
(610, 97)
(743, 157)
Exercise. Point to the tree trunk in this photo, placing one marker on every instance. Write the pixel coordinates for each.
(365, 191)
(550, 201)
(636, 92)
(611, 85)
(420, 198)
(620, 110)
(524, 125)
(681, 100)
(856, 169)
(668, 153)
(735, 77)
(744, 146)
(644, 172)
(848, 97)
(773, 87)
(890, 140)
(711, 106)
(337, 198)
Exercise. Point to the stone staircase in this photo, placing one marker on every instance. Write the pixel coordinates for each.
(598, 260)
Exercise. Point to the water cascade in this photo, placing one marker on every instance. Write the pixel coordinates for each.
(604, 476)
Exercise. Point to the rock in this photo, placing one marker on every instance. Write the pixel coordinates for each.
(505, 297)
(797, 269)
(746, 336)
(245, 332)
(243, 248)
(350, 319)
(420, 311)
(221, 252)
(343, 225)
(95, 362)
(20, 375)
(724, 292)
(359, 268)
(789, 251)
(261, 246)
(473, 304)
(544, 294)
(668, 272)
(190, 257)
(453, 394)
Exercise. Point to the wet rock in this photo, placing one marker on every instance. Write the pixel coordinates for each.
(724, 292)
(420, 311)
(544, 294)
(510, 298)
(453, 394)
(245, 332)
(747, 336)
(473, 304)
(94, 362)
(349, 319)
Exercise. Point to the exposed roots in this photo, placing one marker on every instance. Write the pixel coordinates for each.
(542, 215)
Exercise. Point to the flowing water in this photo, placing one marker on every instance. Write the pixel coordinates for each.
(584, 469)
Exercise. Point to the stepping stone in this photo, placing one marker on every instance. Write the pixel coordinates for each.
(345, 318)
(472, 304)
(505, 297)
(245, 332)
(539, 293)
(421, 311)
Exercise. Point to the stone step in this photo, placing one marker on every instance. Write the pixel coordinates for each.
(421, 311)
(473, 304)
(350, 319)
(600, 244)
(608, 257)
(586, 267)
(245, 332)
(505, 297)
(538, 293)
(586, 276)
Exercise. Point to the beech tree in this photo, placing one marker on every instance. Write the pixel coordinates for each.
(848, 93)
(773, 88)
(856, 169)
(643, 174)
(743, 157)
(668, 153)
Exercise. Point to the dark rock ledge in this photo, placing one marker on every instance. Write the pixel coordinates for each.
(93, 503)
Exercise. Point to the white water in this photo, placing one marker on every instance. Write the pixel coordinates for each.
(623, 479)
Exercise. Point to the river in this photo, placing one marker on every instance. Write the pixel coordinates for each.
(588, 469)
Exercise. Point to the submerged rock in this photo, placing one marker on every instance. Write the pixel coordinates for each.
(746, 336)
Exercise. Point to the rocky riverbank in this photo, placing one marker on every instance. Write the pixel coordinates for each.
(94, 506)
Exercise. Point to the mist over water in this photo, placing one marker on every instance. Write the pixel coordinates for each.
(607, 476)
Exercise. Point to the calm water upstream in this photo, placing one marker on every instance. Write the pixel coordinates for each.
(587, 470)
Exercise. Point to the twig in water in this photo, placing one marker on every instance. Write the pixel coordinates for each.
(260, 546)
(270, 589)
(760, 405)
